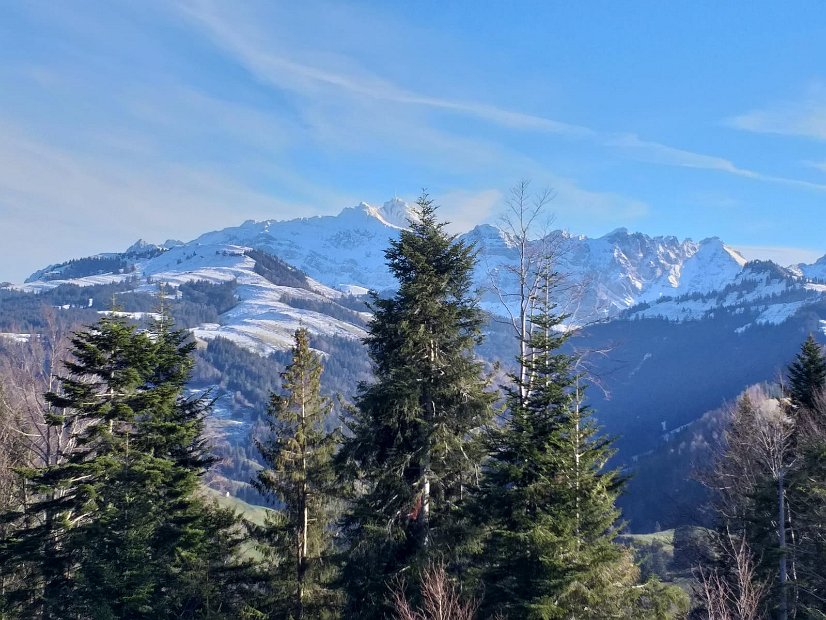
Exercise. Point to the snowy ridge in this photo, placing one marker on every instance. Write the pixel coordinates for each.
(621, 273)
(816, 271)
(261, 321)
(761, 292)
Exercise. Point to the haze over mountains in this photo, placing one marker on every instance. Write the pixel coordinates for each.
(684, 325)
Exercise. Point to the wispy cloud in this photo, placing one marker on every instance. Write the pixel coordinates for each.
(657, 153)
(805, 117)
(273, 66)
(255, 53)
(90, 204)
(666, 155)
(817, 165)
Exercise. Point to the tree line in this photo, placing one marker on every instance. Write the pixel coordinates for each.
(767, 552)
(436, 496)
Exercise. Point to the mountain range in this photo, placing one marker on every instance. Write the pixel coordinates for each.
(344, 254)
(681, 326)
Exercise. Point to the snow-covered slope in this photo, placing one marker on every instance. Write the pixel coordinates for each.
(815, 271)
(341, 251)
(618, 270)
(761, 292)
(621, 272)
(261, 321)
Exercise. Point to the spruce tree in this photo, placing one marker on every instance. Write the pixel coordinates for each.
(546, 505)
(298, 477)
(94, 404)
(807, 375)
(413, 452)
(116, 529)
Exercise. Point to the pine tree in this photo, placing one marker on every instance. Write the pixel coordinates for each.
(298, 475)
(807, 375)
(414, 451)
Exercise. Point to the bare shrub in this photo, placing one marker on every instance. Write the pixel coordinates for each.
(441, 599)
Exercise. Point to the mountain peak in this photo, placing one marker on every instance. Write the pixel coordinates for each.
(622, 231)
(139, 246)
(715, 245)
(394, 213)
(397, 212)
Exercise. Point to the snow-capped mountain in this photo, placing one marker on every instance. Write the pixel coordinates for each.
(621, 272)
(688, 324)
(345, 251)
(815, 271)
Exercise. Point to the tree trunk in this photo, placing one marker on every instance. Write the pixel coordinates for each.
(301, 547)
(783, 611)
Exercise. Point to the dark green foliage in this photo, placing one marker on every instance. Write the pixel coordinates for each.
(83, 267)
(298, 478)
(235, 369)
(692, 548)
(807, 375)
(327, 307)
(546, 502)
(277, 271)
(115, 528)
(413, 452)
(807, 495)
(202, 302)
(763, 497)
(356, 303)
(546, 508)
(244, 382)
(346, 364)
(653, 560)
(24, 311)
(220, 296)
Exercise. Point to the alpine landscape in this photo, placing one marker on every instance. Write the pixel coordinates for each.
(469, 401)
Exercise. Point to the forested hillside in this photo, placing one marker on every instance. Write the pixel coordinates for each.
(412, 449)
(106, 490)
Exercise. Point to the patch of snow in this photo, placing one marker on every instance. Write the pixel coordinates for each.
(352, 289)
(16, 337)
(135, 316)
(779, 313)
(106, 278)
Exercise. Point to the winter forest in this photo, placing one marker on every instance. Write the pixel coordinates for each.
(446, 488)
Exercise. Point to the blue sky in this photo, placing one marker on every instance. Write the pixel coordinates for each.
(163, 119)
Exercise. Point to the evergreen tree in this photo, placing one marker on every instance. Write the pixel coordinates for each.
(414, 448)
(95, 405)
(807, 375)
(298, 476)
(547, 502)
(116, 528)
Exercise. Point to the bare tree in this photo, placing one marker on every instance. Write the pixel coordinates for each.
(518, 286)
(740, 597)
(28, 371)
(441, 599)
(28, 435)
(759, 445)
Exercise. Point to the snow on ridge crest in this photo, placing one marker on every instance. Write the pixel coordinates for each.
(346, 252)
(398, 213)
